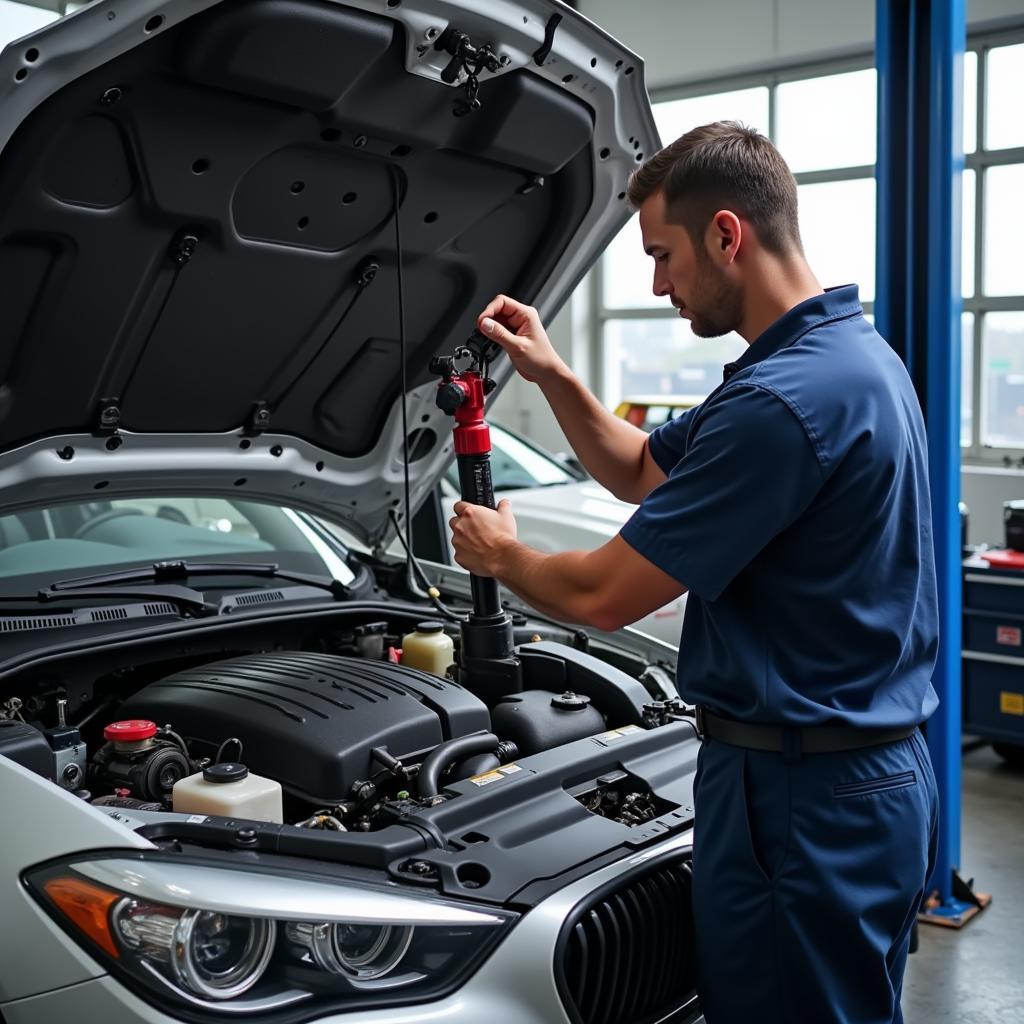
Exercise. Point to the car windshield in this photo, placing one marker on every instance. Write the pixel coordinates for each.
(516, 465)
(62, 540)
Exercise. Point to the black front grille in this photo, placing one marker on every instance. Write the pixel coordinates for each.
(626, 956)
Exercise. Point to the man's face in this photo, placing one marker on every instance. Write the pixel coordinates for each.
(688, 275)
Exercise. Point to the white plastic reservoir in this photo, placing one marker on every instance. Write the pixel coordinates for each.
(429, 648)
(229, 789)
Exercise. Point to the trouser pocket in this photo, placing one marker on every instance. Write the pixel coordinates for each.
(766, 809)
(881, 784)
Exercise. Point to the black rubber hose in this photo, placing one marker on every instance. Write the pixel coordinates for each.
(448, 753)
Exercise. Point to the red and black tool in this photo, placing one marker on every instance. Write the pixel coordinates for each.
(489, 666)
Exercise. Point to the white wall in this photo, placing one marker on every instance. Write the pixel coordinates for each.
(683, 41)
(691, 40)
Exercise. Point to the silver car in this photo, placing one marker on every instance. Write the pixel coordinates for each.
(232, 237)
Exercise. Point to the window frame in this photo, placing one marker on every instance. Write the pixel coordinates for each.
(979, 161)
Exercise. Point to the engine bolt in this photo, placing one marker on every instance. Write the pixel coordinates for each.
(419, 867)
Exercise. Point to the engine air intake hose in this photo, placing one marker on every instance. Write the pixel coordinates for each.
(448, 753)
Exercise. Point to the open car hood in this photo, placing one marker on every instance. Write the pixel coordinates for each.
(198, 239)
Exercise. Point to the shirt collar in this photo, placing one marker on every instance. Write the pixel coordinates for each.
(834, 304)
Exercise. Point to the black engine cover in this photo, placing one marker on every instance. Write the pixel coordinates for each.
(310, 720)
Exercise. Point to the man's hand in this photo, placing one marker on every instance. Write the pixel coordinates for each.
(480, 535)
(517, 329)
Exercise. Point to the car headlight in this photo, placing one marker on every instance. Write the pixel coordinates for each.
(213, 955)
(358, 950)
(239, 940)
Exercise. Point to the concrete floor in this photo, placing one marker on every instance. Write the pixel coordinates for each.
(976, 975)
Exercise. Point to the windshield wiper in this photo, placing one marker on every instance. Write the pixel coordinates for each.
(189, 601)
(160, 572)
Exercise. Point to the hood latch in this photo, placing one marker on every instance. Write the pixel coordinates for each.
(468, 59)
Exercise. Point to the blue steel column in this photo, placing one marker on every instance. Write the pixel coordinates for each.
(919, 55)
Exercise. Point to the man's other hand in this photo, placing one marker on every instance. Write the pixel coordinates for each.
(480, 535)
(516, 327)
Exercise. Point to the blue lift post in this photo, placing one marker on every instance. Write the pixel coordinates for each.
(919, 54)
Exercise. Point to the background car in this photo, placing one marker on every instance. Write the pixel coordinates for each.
(650, 411)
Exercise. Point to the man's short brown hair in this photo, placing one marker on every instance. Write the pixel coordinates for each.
(724, 165)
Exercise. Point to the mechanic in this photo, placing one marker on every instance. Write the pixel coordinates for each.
(793, 506)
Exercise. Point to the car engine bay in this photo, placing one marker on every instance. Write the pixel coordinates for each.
(353, 737)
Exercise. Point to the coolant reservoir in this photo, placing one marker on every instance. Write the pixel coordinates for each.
(429, 648)
(229, 789)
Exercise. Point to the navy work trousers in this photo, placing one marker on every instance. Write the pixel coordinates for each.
(808, 874)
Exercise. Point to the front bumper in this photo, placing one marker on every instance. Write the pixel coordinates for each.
(515, 986)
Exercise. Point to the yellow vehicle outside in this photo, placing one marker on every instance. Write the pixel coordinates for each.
(650, 411)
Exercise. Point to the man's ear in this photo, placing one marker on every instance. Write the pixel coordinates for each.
(724, 237)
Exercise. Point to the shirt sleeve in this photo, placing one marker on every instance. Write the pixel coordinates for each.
(667, 443)
(749, 472)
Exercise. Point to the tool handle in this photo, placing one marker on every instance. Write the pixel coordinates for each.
(478, 489)
(475, 481)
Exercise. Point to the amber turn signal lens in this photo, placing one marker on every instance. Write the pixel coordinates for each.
(87, 906)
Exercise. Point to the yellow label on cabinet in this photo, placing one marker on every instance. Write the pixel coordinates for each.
(1011, 703)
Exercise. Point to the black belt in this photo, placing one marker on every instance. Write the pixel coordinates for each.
(808, 739)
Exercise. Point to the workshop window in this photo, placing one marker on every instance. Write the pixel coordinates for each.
(17, 20)
(1004, 127)
(844, 137)
(648, 358)
(993, 275)
(628, 280)
(676, 117)
(966, 378)
(837, 226)
(1002, 391)
(1004, 227)
(644, 349)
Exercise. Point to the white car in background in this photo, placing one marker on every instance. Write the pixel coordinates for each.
(559, 509)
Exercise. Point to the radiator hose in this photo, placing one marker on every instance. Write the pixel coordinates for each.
(448, 753)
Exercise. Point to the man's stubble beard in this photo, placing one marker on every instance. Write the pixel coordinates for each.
(722, 301)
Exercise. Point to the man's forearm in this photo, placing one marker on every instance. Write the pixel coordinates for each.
(556, 585)
(611, 449)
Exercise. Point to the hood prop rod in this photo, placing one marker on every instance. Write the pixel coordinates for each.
(260, 416)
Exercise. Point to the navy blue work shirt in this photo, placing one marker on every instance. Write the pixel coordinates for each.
(797, 513)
